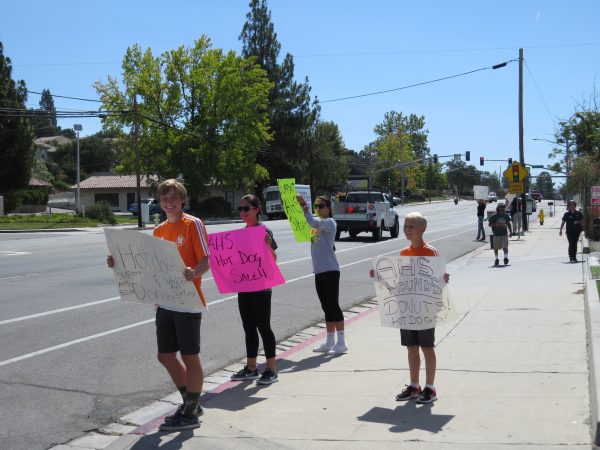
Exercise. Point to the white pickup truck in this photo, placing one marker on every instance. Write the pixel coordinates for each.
(366, 211)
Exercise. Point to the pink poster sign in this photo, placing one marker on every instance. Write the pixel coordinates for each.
(241, 261)
(595, 195)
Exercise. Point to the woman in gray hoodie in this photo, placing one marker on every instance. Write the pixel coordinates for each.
(327, 272)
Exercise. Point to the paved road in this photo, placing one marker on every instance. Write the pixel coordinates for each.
(74, 358)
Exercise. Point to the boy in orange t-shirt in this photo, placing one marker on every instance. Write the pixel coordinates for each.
(415, 225)
(177, 329)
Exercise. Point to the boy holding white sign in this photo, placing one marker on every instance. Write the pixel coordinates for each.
(415, 225)
(178, 329)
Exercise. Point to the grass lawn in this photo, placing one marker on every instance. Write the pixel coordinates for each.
(53, 221)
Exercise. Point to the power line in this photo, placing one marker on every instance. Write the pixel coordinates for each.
(416, 84)
(540, 93)
(64, 96)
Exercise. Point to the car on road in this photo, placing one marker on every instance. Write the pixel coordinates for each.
(154, 206)
(492, 197)
(536, 195)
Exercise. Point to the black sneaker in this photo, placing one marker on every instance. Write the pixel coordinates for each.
(267, 377)
(427, 396)
(180, 422)
(245, 374)
(496, 262)
(505, 261)
(408, 393)
(179, 411)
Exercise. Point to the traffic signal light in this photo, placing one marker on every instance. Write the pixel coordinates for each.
(509, 161)
(481, 160)
(468, 155)
(435, 158)
(515, 172)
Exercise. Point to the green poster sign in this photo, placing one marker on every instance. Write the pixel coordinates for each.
(293, 211)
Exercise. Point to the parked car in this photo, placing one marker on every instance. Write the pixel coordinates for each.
(536, 195)
(153, 203)
(492, 197)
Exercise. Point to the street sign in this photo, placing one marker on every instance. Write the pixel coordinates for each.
(516, 173)
(537, 166)
(595, 195)
(516, 188)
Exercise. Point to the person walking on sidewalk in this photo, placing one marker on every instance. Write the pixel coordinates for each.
(327, 272)
(501, 225)
(255, 309)
(574, 221)
(516, 211)
(415, 225)
(481, 205)
(178, 329)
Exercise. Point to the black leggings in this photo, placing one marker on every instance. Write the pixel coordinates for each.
(328, 290)
(255, 311)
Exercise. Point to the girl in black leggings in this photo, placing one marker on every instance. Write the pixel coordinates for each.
(255, 309)
(327, 273)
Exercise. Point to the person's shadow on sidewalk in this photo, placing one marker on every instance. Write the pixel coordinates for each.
(164, 441)
(407, 417)
(247, 393)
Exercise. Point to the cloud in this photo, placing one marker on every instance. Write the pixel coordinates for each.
(538, 16)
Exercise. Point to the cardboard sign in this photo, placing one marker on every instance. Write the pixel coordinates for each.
(241, 261)
(411, 292)
(150, 270)
(481, 192)
(293, 210)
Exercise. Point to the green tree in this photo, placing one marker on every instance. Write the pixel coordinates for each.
(291, 114)
(44, 119)
(96, 154)
(545, 184)
(400, 139)
(202, 113)
(328, 157)
(491, 180)
(462, 178)
(16, 134)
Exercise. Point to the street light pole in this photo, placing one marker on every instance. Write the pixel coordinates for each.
(77, 127)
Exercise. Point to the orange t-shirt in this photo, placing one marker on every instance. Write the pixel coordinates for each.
(426, 250)
(189, 233)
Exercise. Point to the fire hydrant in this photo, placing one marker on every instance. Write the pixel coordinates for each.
(541, 217)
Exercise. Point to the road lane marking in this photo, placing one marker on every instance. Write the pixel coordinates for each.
(13, 253)
(56, 311)
(144, 322)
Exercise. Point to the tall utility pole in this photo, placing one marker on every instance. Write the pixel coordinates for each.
(137, 159)
(521, 148)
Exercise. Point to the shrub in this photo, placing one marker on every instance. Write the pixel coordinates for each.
(14, 199)
(214, 207)
(102, 212)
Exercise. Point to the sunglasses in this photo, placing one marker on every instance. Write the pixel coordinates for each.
(245, 208)
(320, 205)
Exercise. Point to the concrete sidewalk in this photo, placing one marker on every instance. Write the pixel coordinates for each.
(512, 373)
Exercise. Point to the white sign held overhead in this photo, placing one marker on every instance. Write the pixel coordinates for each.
(481, 192)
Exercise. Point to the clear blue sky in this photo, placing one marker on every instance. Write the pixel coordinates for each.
(345, 48)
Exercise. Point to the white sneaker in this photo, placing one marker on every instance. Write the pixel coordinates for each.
(338, 349)
(323, 348)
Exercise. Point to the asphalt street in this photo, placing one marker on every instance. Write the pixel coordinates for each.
(75, 358)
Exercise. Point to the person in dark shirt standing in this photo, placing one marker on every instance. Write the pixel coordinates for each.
(481, 204)
(574, 221)
(500, 223)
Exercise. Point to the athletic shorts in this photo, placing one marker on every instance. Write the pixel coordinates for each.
(500, 242)
(178, 332)
(422, 338)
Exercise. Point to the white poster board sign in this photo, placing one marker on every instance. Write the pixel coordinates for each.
(411, 292)
(150, 270)
(481, 192)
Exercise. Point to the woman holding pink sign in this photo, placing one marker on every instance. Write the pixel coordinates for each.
(255, 308)
(327, 272)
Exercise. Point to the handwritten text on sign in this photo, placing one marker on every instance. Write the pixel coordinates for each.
(241, 261)
(411, 292)
(293, 210)
(150, 270)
